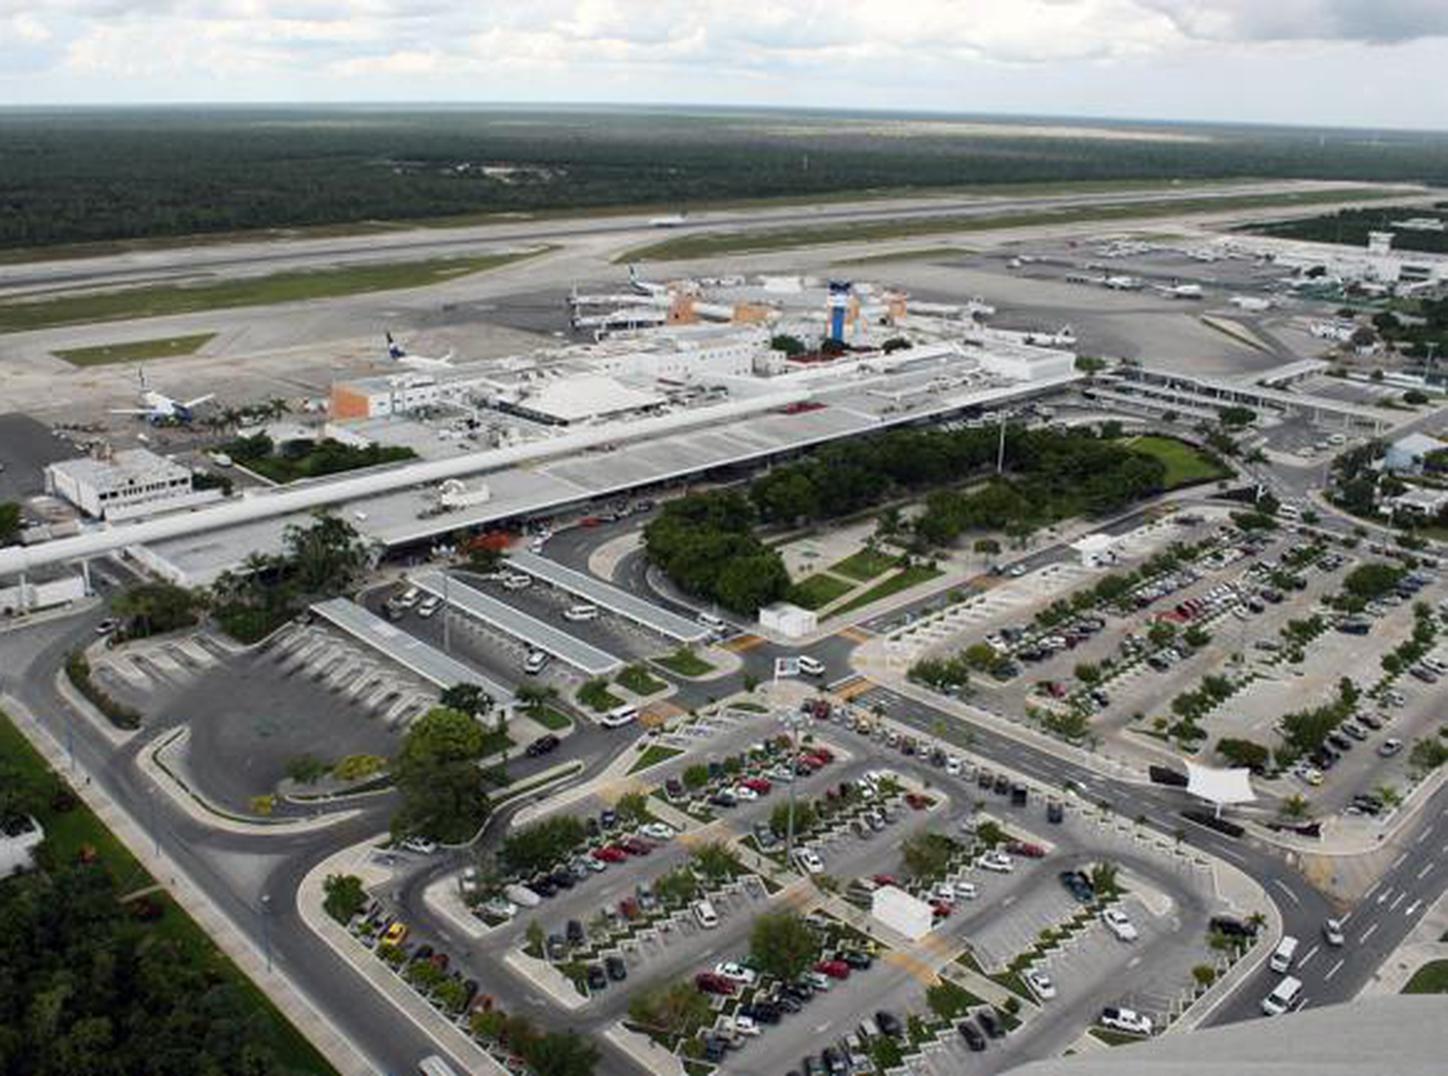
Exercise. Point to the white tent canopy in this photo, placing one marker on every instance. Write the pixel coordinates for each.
(1220, 787)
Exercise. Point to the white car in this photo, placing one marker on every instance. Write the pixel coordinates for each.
(419, 845)
(736, 973)
(808, 860)
(1040, 984)
(1116, 922)
(745, 794)
(1128, 1020)
(819, 980)
(998, 862)
(429, 605)
(745, 1025)
(953, 766)
(659, 831)
(965, 891)
(943, 891)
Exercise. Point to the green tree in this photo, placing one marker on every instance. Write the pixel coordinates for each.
(1105, 879)
(783, 945)
(437, 777)
(326, 557)
(10, 521)
(469, 699)
(633, 807)
(695, 777)
(1088, 673)
(715, 862)
(156, 608)
(345, 896)
(561, 1053)
(1295, 806)
(926, 854)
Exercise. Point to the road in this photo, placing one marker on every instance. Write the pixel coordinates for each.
(250, 258)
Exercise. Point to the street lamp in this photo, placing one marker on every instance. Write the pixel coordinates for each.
(266, 929)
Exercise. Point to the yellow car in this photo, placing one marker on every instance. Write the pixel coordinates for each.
(396, 934)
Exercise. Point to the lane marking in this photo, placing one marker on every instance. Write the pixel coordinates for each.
(1411, 908)
(1280, 884)
(1310, 954)
(1383, 895)
(1423, 836)
(1400, 898)
(1369, 932)
(1398, 862)
(1334, 969)
(1424, 872)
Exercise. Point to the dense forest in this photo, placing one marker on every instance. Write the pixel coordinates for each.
(1351, 227)
(75, 175)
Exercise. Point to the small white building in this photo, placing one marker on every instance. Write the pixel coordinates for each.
(1406, 454)
(788, 620)
(18, 842)
(1420, 502)
(901, 912)
(129, 483)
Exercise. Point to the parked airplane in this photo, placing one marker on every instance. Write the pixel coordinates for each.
(1122, 283)
(1180, 291)
(669, 220)
(157, 407)
(1063, 337)
(397, 353)
(644, 287)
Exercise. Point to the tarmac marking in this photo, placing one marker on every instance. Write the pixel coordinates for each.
(1280, 884)
(1334, 969)
(1369, 932)
(1411, 908)
(1384, 895)
(1401, 897)
(1398, 862)
(1424, 872)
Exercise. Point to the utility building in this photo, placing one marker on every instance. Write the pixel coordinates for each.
(124, 485)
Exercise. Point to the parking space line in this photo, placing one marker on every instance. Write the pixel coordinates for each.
(1334, 969)
(1369, 932)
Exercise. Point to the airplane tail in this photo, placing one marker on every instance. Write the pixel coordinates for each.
(394, 349)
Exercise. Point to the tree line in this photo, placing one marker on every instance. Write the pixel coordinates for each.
(706, 542)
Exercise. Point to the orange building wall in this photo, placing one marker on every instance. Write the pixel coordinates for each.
(348, 403)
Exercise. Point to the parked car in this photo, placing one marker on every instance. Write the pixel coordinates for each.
(1078, 885)
(998, 862)
(991, 1023)
(542, 745)
(736, 973)
(1039, 983)
(1128, 1020)
(1117, 922)
(835, 969)
(597, 977)
(888, 1024)
(974, 1040)
(708, 982)
(1027, 849)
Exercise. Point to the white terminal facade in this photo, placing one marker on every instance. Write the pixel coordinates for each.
(124, 485)
(524, 437)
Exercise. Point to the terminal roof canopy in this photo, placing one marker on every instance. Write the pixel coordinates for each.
(1220, 787)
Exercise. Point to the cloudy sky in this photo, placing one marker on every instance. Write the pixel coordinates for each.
(1373, 63)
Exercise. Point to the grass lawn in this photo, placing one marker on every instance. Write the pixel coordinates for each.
(550, 718)
(653, 755)
(162, 300)
(1431, 978)
(1184, 464)
(905, 580)
(685, 662)
(596, 696)
(136, 351)
(1112, 1037)
(818, 590)
(637, 679)
(708, 245)
(864, 565)
(325, 459)
(68, 831)
(911, 255)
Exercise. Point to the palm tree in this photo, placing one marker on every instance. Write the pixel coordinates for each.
(1295, 806)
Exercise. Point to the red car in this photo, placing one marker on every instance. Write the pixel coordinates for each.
(609, 854)
(940, 909)
(758, 784)
(628, 908)
(636, 846)
(816, 759)
(835, 969)
(823, 753)
(1025, 848)
(916, 801)
(885, 879)
(710, 983)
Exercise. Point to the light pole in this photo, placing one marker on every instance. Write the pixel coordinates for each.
(791, 722)
(266, 929)
(446, 613)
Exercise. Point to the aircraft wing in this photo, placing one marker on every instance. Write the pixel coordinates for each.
(199, 400)
(133, 411)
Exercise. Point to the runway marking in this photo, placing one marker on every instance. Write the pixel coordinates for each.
(1400, 898)
(1310, 954)
(1369, 932)
(1334, 969)
(1280, 884)
(1398, 862)
(1424, 872)
(1411, 908)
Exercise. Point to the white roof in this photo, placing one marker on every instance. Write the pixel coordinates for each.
(1221, 787)
(575, 398)
(122, 466)
(1418, 444)
(1094, 543)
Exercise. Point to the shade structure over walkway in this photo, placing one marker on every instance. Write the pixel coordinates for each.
(607, 596)
(1220, 788)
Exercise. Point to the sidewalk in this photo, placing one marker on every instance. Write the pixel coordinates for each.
(291, 1000)
(1423, 944)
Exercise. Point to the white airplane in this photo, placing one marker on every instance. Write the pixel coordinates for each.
(644, 287)
(1180, 291)
(157, 407)
(1122, 283)
(397, 353)
(669, 220)
(1063, 337)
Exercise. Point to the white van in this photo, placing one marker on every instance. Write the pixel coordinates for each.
(1286, 950)
(535, 662)
(712, 622)
(1281, 998)
(517, 581)
(581, 612)
(619, 715)
(1290, 511)
(811, 666)
(706, 915)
